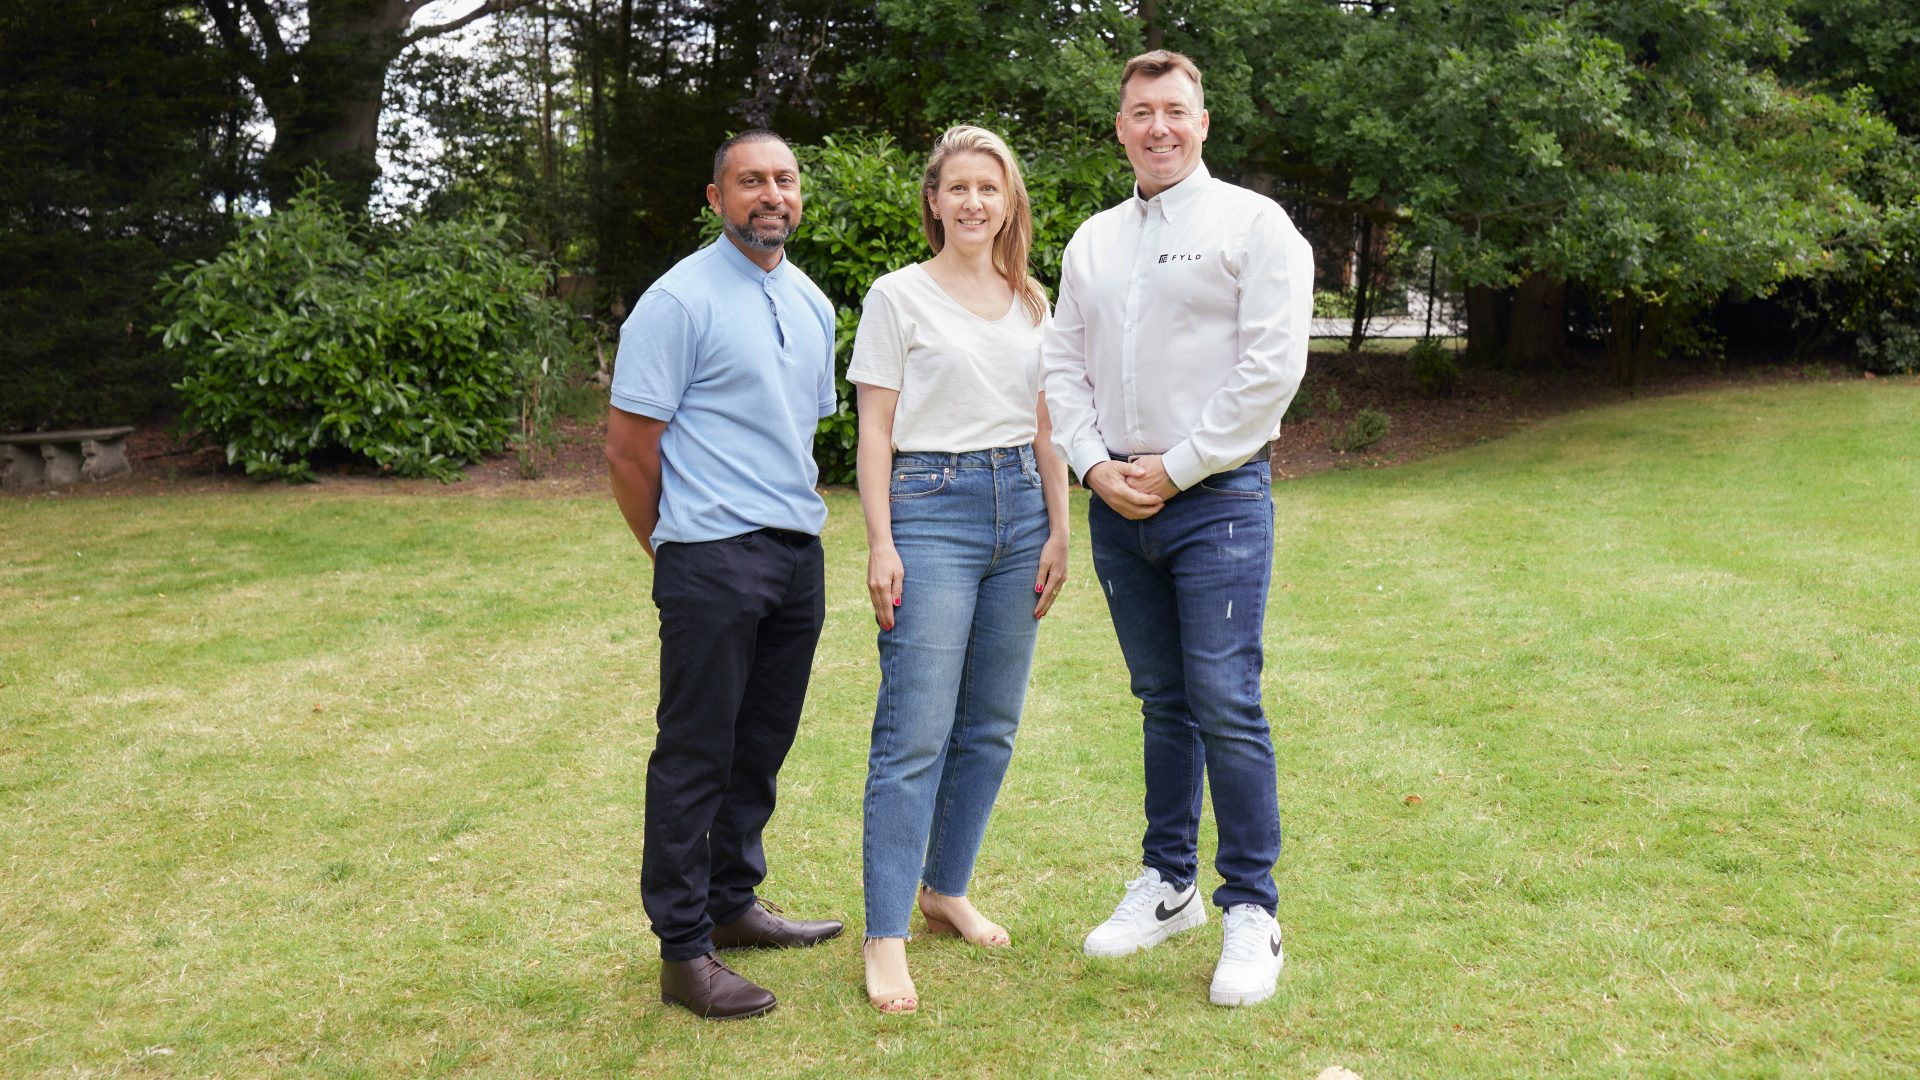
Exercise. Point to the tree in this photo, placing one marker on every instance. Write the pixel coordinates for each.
(124, 141)
(497, 123)
(1872, 43)
(1026, 68)
(1641, 151)
(320, 70)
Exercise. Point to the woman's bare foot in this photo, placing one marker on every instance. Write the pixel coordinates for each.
(889, 987)
(954, 915)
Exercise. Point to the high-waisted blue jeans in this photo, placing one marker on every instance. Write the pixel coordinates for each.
(1187, 589)
(953, 670)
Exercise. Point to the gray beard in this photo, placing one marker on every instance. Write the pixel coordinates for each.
(762, 241)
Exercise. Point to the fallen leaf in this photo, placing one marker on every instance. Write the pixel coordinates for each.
(1413, 800)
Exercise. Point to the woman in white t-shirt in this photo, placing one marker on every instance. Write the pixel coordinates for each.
(966, 509)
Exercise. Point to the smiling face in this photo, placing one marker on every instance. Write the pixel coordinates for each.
(758, 198)
(970, 200)
(1163, 127)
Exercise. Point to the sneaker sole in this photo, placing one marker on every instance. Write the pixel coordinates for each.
(1249, 997)
(1195, 915)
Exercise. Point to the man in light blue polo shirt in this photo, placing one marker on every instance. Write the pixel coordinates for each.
(724, 370)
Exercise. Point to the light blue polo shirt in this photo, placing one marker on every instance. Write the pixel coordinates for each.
(739, 362)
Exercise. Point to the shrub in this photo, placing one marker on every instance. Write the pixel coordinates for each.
(1367, 427)
(1889, 342)
(862, 220)
(1301, 407)
(1872, 290)
(1329, 304)
(1434, 369)
(306, 337)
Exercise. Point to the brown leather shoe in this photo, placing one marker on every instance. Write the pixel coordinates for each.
(762, 928)
(709, 989)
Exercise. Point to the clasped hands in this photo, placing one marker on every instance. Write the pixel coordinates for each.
(1135, 489)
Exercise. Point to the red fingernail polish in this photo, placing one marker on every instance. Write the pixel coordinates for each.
(896, 601)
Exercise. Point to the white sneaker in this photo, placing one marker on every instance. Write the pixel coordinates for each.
(1250, 958)
(1150, 913)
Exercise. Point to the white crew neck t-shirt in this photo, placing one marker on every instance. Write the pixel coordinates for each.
(965, 383)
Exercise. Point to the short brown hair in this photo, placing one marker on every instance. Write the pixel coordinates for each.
(1157, 63)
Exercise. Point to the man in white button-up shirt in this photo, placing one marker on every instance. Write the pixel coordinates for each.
(1179, 339)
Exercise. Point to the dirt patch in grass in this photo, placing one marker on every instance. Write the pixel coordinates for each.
(1487, 404)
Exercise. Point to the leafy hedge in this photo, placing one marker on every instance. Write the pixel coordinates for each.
(862, 220)
(306, 337)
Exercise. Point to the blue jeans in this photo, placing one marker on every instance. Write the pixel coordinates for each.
(1187, 589)
(953, 670)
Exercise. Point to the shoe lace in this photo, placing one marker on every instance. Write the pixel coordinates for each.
(1245, 934)
(1140, 893)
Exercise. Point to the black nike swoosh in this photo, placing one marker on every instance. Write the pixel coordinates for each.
(1160, 910)
(1274, 944)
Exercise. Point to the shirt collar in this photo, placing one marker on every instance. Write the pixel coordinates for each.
(1176, 199)
(730, 253)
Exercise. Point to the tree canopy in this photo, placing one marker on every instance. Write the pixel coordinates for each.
(1646, 157)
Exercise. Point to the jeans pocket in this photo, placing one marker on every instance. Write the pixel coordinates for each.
(916, 483)
(1239, 484)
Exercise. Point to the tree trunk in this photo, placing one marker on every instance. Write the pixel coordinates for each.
(1537, 331)
(1489, 313)
(1633, 336)
(1152, 34)
(332, 123)
(324, 97)
(1362, 287)
(326, 110)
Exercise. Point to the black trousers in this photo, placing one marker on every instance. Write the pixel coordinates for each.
(739, 619)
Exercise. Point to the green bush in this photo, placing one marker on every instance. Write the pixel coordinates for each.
(1890, 343)
(1367, 427)
(862, 220)
(1301, 407)
(1328, 304)
(1870, 289)
(306, 337)
(1434, 369)
(1885, 315)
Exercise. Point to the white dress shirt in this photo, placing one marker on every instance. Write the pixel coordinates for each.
(1181, 329)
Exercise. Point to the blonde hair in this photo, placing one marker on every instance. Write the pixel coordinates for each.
(1015, 242)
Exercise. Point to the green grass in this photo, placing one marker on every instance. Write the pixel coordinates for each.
(295, 781)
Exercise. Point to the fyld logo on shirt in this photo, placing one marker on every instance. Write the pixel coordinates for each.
(1183, 258)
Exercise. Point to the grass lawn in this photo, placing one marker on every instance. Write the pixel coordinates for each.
(294, 781)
